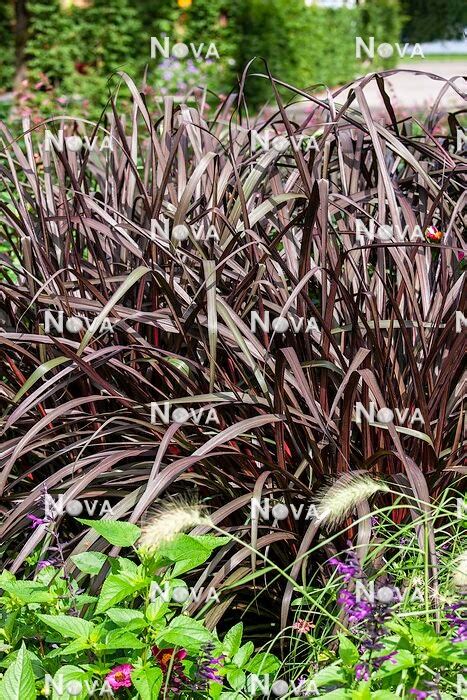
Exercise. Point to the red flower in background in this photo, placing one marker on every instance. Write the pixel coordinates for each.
(164, 657)
(433, 234)
(170, 660)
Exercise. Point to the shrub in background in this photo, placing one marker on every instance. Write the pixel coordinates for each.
(331, 44)
(72, 50)
(428, 20)
(383, 20)
(7, 44)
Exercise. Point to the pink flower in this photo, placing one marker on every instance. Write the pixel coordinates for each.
(120, 676)
(302, 626)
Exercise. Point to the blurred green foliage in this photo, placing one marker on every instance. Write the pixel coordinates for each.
(7, 48)
(74, 47)
(428, 20)
(383, 20)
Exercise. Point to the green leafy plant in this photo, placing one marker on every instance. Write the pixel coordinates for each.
(133, 634)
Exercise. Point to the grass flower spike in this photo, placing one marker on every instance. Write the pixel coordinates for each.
(168, 522)
(341, 499)
(460, 571)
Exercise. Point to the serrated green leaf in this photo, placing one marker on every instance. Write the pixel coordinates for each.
(329, 675)
(263, 663)
(148, 682)
(89, 562)
(18, 683)
(70, 649)
(348, 652)
(67, 626)
(115, 589)
(236, 678)
(72, 678)
(28, 591)
(125, 617)
(362, 692)
(185, 632)
(232, 640)
(186, 552)
(117, 532)
(402, 660)
(243, 654)
(122, 639)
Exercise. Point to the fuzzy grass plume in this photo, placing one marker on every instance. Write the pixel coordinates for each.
(339, 500)
(459, 576)
(169, 521)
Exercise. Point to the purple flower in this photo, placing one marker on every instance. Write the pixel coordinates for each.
(456, 615)
(419, 694)
(379, 661)
(35, 522)
(349, 569)
(45, 562)
(356, 610)
(207, 668)
(362, 672)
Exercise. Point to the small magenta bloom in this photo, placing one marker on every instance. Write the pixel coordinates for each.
(419, 694)
(120, 676)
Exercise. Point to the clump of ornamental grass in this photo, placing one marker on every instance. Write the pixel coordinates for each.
(340, 500)
(169, 521)
(158, 256)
